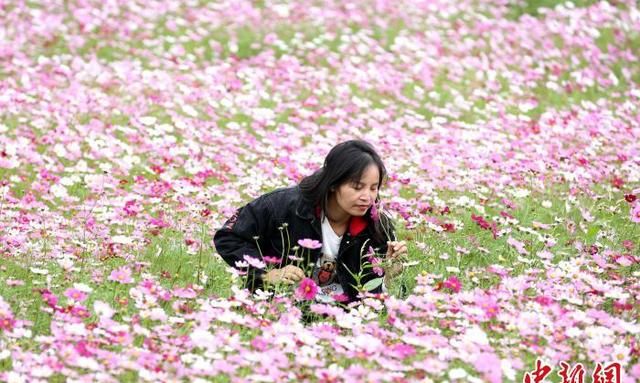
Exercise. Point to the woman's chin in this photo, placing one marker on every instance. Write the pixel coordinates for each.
(359, 212)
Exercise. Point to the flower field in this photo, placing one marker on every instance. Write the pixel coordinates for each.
(131, 130)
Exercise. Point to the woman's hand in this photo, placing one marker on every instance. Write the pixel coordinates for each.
(396, 251)
(289, 274)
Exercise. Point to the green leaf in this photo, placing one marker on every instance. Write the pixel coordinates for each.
(372, 284)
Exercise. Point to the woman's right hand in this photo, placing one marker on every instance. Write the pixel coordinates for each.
(289, 274)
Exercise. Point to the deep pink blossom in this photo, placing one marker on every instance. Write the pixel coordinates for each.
(307, 289)
(452, 283)
(374, 213)
(6, 322)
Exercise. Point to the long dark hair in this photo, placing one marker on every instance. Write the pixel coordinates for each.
(345, 162)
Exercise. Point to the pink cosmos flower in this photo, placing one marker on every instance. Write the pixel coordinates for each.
(131, 209)
(375, 261)
(75, 294)
(489, 305)
(307, 289)
(82, 348)
(340, 297)
(308, 243)
(14, 282)
(543, 300)
(158, 222)
(489, 365)
(271, 260)
(7, 322)
(402, 350)
(635, 371)
(121, 275)
(254, 262)
(187, 293)
(635, 213)
(80, 312)
(49, 297)
(519, 246)
(624, 260)
(259, 343)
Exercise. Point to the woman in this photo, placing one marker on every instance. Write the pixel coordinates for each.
(335, 206)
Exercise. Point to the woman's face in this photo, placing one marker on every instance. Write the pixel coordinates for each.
(355, 198)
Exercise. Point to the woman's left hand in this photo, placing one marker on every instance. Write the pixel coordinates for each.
(396, 250)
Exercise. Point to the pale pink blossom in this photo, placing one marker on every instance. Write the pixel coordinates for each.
(121, 275)
(311, 244)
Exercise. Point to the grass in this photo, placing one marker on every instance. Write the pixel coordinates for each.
(533, 7)
(167, 257)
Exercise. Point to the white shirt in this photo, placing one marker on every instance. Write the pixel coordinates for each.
(325, 270)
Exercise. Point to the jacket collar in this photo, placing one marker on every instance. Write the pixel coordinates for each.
(357, 225)
(304, 210)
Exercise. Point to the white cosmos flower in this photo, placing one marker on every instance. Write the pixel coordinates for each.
(457, 373)
(59, 191)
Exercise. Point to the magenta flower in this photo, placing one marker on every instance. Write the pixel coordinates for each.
(271, 260)
(452, 283)
(307, 289)
(80, 312)
(308, 243)
(374, 213)
(340, 297)
(121, 275)
(49, 297)
(131, 209)
(158, 222)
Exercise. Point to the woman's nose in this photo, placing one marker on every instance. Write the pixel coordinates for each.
(369, 197)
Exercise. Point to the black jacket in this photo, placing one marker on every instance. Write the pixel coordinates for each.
(262, 223)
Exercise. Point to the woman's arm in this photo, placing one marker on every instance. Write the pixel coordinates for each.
(237, 237)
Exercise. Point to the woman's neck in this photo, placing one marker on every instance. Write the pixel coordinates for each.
(335, 214)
